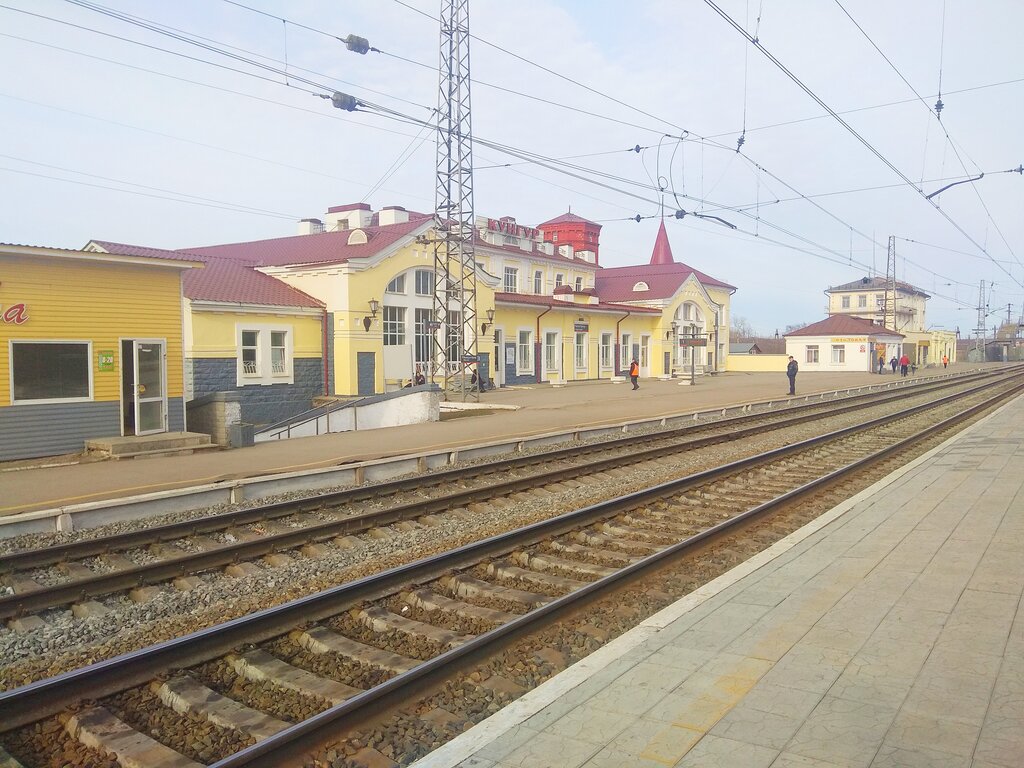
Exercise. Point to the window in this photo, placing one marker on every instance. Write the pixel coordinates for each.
(43, 370)
(551, 351)
(278, 353)
(559, 280)
(511, 280)
(454, 336)
(880, 301)
(625, 355)
(686, 311)
(397, 285)
(424, 282)
(580, 356)
(538, 282)
(264, 355)
(845, 302)
(606, 350)
(812, 353)
(250, 353)
(394, 326)
(579, 284)
(424, 337)
(838, 353)
(554, 237)
(524, 360)
(862, 300)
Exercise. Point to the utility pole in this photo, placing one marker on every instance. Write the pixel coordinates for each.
(890, 286)
(455, 307)
(979, 329)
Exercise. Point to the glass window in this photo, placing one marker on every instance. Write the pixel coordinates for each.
(559, 280)
(424, 282)
(538, 282)
(50, 371)
(845, 302)
(554, 237)
(453, 338)
(625, 355)
(812, 353)
(525, 357)
(838, 353)
(579, 283)
(551, 351)
(250, 353)
(279, 352)
(862, 300)
(394, 326)
(580, 356)
(606, 350)
(424, 338)
(511, 280)
(397, 285)
(880, 300)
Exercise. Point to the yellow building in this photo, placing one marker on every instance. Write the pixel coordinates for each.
(91, 347)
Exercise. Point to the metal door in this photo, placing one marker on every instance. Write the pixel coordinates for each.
(149, 360)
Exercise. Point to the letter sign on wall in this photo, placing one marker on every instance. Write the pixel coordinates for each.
(16, 314)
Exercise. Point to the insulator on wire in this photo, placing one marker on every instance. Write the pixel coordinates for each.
(938, 108)
(739, 142)
(638, 218)
(357, 44)
(680, 213)
(344, 101)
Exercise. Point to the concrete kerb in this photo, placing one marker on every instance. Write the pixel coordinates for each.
(457, 751)
(91, 514)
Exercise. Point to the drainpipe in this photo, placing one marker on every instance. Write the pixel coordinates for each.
(323, 335)
(618, 342)
(539, 350)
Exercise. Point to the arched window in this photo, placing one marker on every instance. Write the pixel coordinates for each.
(641, 286)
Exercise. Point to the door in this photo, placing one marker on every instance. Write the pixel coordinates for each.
(645, 357)
(150, 387)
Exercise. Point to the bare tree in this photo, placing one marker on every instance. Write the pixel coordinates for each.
(740, 328)
(795, 327)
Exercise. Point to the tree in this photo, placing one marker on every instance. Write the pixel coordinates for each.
(740, 328)
(795, 327)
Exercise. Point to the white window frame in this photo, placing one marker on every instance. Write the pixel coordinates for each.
(242, 347)
(580, 351)
(838, 354)
(511, 281)
(844, 302)
(397, 285)
(862, 301)
(579, 284)
(811, 353)
(426, 275)
(559, 280)
(538, 282)
(606, 351)
(626, 352)
(880, 301)
(394, 327)
(42, 401)
(284, 348)
(552, 346)
(524, 352)
(264, 357)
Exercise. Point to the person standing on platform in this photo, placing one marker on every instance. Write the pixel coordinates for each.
(904, 364)
(945, 361)
(634, 373)
(791, 370)
(881, 364)
(894, 362)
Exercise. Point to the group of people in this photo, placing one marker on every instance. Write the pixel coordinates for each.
(903, 363)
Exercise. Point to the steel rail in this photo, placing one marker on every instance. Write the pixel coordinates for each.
(33, 601)
(36, 558)
(296, 740)
(42, 698)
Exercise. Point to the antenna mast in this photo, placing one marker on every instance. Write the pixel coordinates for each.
(455, 307)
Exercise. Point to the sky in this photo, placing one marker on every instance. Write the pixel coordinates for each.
(123, 131)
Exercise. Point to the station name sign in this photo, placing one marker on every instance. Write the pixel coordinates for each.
(851, 339)
(507, 226)
(15, 314)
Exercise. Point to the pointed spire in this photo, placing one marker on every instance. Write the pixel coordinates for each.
(662, 250)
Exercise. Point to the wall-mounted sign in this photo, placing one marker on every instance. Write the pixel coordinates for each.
(105, 360)
(469, 358)
(690, 342)
(581, 327)
(15, 313)
(856, 339)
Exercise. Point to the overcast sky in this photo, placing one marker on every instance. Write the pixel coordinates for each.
(137, 137)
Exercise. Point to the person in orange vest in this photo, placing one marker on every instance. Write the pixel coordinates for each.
(634, 373)
(945, 361)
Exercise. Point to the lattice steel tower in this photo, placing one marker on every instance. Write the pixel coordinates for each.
(890, 286)
(455, 307)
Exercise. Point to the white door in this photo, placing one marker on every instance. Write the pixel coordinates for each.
(150, 387)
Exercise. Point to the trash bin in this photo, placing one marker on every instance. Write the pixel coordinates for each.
(241, 435)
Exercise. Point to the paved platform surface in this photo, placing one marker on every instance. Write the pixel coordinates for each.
(542, 409)
(887, 634)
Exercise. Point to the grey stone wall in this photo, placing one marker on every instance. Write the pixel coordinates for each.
(261, 404)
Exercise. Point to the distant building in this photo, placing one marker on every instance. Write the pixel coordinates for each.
(843, 343)
(744, 348)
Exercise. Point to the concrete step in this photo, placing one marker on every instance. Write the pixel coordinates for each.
(148, 445)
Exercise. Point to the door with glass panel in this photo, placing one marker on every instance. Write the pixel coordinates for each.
(150, 386)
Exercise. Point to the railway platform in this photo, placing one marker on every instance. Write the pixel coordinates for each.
(889, 632)
(537, 410)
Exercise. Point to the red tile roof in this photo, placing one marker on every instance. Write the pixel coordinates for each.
(324, 248)
(843, 325)
(616, 283)
(569, 218)
(223, 279)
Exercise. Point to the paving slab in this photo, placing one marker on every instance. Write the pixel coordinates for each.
(886, 633)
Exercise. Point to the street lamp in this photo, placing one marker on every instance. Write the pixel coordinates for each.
(368, 320)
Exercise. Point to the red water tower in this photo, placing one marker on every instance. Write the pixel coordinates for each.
(570, 229)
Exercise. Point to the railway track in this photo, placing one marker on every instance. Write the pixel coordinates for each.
(264, 689)
(76, 574)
